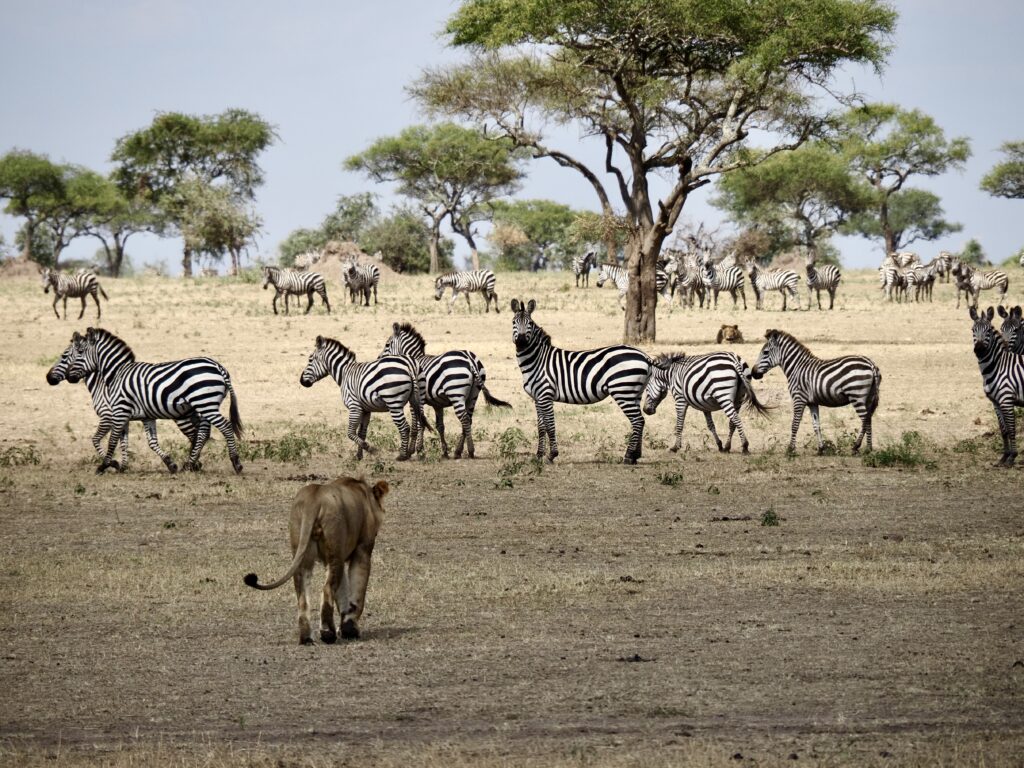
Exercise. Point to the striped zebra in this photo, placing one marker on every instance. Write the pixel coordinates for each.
(620, 277)
(823, 278)
(848, 380)
(922, 280)
(962, 274)
(101, 404)
(452, 379)
(289, 282)
(581, 266)
(784, 281)
(904, 259)
(718, 381)
(361, 279)
(552, 375)
(481, 280)
(1012, 329)
(384, 384)
(972, 282)
(1002, 379)
(77, 286)
(190, 389)
(717, 278)
(943, 265)
(892, 281)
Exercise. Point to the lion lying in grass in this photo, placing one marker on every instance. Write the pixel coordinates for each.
(335, 523)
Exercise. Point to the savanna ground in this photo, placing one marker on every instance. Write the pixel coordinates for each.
(585, 613)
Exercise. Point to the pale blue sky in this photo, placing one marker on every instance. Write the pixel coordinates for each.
(331, 77)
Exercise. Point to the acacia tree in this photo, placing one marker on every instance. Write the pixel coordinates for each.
(214, 222)
(1006, 179)
(672, 88)
(450, 171)
(115, 218)
(796, 198)
(887, 145)
(29, 183)
(179, 149)
(544, 226)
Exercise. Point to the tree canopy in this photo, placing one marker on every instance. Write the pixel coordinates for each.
(670, 87)
(1006, 179)
(532, 234)
(913, 214)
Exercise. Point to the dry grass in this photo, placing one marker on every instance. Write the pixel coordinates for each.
(581, 614)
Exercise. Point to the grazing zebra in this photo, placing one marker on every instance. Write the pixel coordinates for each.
(288, 282)
(619, 276)
(190, 389)
(581, 266)
(79, 285)
(552, 375)
(782, 280)
(893, 281)
(1002, 378)
(718, 381)
(384, 384)
(101, 404)
(1012, 329)
(962, 275)
(481, 280)
(360, 279)
(848, 380)
(823, 278)
(922, 278)
(972, 283)
(450, 380)
(719, 278)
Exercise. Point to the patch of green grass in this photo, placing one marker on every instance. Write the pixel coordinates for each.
(295, 446)
(907, 452)
(769, 519)
(18, 456)
(671, 479)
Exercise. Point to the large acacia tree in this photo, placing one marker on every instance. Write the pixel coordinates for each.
(449, 171)
(671, 88)
(1006, 179)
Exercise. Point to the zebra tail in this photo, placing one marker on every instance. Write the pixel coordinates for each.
(236, 420)
(492, 400)
(417, 409)
(751, 401)
(873, 398)
(104, 293)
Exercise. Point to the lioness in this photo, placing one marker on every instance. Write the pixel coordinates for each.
(729, 333)
(335, 523)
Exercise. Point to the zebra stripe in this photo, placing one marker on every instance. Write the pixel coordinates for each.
(1012, 329)
(784, 281)
(848, 380)
(1002, 379)
(361, 279)
(100, 395)
(972, 282)
(922, 280)
(717, 278)
(192, 388)
(823, 278)
(552, 375)
(481, 280)
(581, 266)
(452, 379)
(620, 277)
(288, 282)
(77, 286)
(718, 381)
(384, 384)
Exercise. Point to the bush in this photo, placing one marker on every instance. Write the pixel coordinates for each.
(908, 452)
(16, 456)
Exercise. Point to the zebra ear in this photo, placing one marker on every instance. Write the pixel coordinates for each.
(394, 327)
(1002, 311)
(990, 313)
(973, 313)
(1016, 311)
(515, 305)
(530, 306)
(769, 333)
(319, 341)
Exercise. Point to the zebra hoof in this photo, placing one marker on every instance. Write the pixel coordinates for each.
(237, 466)
(629, 460)
(402, 457)
(305, 640)
(674, 449)
(746, 449)
(171, 467)
(724, 448)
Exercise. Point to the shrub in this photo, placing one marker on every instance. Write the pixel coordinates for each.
(769, 519)
(17, 456)
(908, 452)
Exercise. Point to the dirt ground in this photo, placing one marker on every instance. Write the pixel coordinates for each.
(584, 613)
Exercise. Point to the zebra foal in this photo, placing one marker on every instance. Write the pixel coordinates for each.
(1002, 379)
(480, 280)
(288, 282)
(718, 381)
(77, 286)
(849, 380)
(552, 375)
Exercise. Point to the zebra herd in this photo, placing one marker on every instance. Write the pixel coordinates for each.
(902, 273)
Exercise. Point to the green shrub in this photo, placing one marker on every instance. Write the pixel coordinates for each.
(908, 452)
(769, 519)
(17, 456)
(671, 479)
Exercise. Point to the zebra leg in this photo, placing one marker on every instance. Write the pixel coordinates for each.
(277, 295)
(735, 425)
(714, 433)
(96, 298)
(681, 406)
(118, 429)
(831, 297)
(798, 414)
(309, 305)
(817, 427)
(286, 297)
(150, 426)
(439, 420)
(455, 295)
(1010, 419)
(217, 420)
(56, 298)
(398, 416)
(864, 412)
(192, 464)
(497, 307)
(66, 307)
(743, 295)
(546, 428)
(629, 402)
(323, 295)
(469, 306)
(466, 417)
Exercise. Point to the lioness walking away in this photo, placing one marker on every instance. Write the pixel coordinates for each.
(337, 524)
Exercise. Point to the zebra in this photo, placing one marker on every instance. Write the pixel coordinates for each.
(904, 259)
(823, 278)
(784, 281)
(1002, 379)
(893, 281)
(384, 384)
(361, 279)
(943, 265)
(719, 278)
(813, 382)
(192, 388)
(718, 381)
(288, 282)
(101, 404)
(581, 266)
(1012, 329)
(962, 274)
(481, 280)
(553, 375)
(452, 379)
(79, 285)
(922, 278)
(972, 282)
(620, 277)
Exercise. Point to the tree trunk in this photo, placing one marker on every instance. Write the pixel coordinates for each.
(235, 260)
(613, 251)
(887, 230)
(474, 256)
(115, 258)
(642, 296)
(30, 231)
(435, 262)
(186, 262)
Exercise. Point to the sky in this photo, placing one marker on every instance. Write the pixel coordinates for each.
(331, 76)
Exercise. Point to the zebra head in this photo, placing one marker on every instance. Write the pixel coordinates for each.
(404, 340)
(657, 384)
(82, 360)
(329, 356)
(269, 276)
(602, 275)
(983, 333)
(524, 330)
(771, 354)
(59, 371)
(439, 286)
(1012, 329)
(49, 277)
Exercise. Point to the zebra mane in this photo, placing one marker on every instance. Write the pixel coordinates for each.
(335, 345)
(773, 332)
(99, 335)
(667, 359)
(407, 329)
